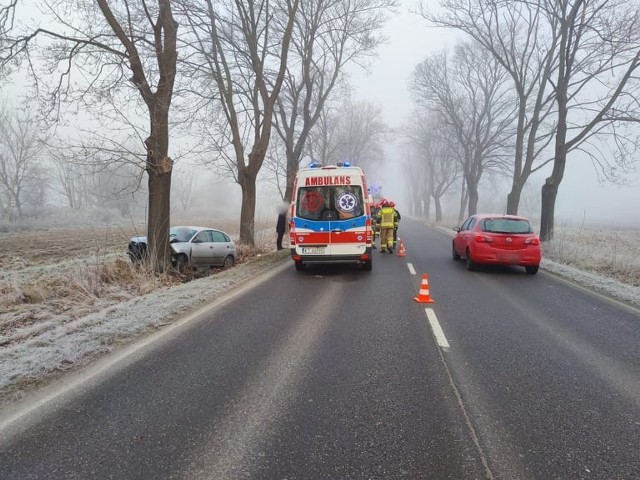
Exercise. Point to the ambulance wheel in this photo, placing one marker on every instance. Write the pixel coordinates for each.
(368, 265)
(299, 266)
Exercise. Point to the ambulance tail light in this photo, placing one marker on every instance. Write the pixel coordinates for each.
(369, 232)
(365, 256)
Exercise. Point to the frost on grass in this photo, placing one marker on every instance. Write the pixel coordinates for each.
(87, 307)
(611, 252)
(60, 311)
(66, 343)
(597, 282)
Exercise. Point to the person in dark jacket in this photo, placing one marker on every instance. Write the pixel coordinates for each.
(281, 228)
(396, 222)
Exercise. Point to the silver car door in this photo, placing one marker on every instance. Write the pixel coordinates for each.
(222, 246)
(202, 251)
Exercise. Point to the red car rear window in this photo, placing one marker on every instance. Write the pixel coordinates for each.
(506, 225)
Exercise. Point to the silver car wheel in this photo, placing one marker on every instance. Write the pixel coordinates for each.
(228, 262)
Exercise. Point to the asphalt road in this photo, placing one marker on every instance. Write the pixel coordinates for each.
(335, 373)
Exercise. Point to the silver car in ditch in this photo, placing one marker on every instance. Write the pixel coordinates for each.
(192, 247)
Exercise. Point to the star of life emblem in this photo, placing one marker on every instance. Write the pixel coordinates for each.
(347, 202)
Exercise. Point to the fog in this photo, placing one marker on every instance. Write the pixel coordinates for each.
(582, 198)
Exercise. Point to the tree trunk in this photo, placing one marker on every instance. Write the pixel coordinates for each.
(292, 171)
(463, 201)
(549, 193)
(427, 207)
(550, 188)
(248, 208)
(18, 204)
(438, 205)
(472, 193)
(513, 198)
(159, 167)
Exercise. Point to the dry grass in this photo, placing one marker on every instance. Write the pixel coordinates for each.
(64, 274)
(69, 294)
(613, 252)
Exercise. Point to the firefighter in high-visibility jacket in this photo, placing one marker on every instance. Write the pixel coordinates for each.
(386, 219)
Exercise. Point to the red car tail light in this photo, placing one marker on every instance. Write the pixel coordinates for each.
(532, 241)
(480, 238)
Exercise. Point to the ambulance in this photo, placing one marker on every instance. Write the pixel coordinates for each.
(330, 217)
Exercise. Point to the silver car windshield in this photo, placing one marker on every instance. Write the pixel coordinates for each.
(181, 234)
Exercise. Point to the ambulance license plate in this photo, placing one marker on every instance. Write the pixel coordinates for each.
(313, 250)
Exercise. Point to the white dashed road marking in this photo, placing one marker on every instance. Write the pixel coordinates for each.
(411, 269)
(437, 330)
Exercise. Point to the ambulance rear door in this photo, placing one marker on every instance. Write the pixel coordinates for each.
(312, 221)
(348, 232)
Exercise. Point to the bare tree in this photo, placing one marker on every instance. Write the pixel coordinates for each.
(525, 45)
(115, 47)
(275, 165)
(467, 92)
(436, 166)
(573, 64)
(350, 131)
(418, 186)
(361, 134)
(442, 164)
(7, 11)
(72, 184)
(99, 170)
(596, 88)
(184, 187)
(322, 144)
(20, 156)
(7, 18)
(328, 35)
(243, 47)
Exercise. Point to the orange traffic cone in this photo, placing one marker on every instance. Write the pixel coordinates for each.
(401, 251)
(423, 294)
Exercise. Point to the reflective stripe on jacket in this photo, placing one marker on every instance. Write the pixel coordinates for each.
(387, 216)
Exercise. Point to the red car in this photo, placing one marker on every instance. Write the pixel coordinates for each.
(497, 240)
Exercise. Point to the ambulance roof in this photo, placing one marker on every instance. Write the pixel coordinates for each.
(328, 169)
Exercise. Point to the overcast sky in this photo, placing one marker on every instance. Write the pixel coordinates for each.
(410, 40)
